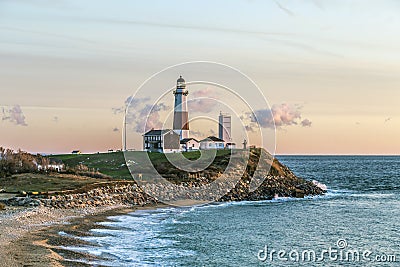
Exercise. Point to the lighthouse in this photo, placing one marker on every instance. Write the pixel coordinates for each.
(181, 121)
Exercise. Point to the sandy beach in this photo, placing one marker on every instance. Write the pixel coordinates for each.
(30, 227)
(30, 237)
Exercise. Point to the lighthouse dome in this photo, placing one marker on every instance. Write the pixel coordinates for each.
(180, 80)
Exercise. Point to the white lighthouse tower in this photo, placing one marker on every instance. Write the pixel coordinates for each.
(181, 118)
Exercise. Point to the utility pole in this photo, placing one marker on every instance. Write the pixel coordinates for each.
(244, 144)
(124, 137)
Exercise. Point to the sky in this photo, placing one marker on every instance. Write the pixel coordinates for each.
(328, 69)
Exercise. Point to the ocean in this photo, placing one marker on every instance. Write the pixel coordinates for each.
(355, 224)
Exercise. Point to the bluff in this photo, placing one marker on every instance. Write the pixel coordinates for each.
(264, 177)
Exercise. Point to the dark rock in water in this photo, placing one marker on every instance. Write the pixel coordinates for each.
(280, 181)
(299, 193)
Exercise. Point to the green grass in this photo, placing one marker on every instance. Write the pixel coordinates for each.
(32, 182)
(192, 155)
(114, 165)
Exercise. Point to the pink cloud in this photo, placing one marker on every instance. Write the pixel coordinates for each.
(285, 114)
(203, 100)
(306, 123)
(14, 115)
(142, 116)
(279, 115)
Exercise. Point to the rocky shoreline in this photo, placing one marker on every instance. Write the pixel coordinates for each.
(263, 178)
(118, 194)
(129, 193)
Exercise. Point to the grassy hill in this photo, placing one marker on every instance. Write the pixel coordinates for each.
(114, 165)
(36, 182)
(275, 178)
(115, 168)
(111, 164)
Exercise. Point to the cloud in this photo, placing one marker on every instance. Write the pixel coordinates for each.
(204, 105)
(149, 117)
(142, 116)
(131, 102)
(14, 115)
(185, 27)
(205, 92)
(306, 123)
(201, 134)
(118, 110)
(285, 114)
(318, 4)
(203, 100)
(262, 117)
(56, 35)
(268, 36)
(281, 115)
(249, 128)
(287, 11)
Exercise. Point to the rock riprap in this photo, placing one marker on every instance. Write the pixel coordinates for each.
(275, 180)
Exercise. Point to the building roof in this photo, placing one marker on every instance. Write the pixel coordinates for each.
(157, 132)
(185, 140)
(212, 138)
